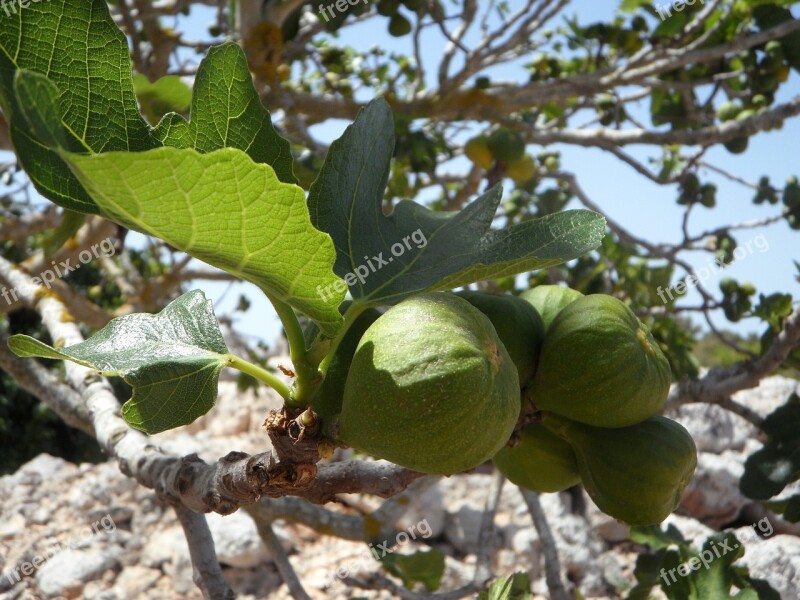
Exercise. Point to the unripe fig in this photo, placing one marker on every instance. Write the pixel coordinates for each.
(728, 111)
(399, 25)
(635, 474)
(388, 7)
(549, 300)
(431, 387)
(506, 145)
(737, 145)
(523, 169)
(600, 365)
(477, 150)
(327, 401)
(542, 461)
(518, 326)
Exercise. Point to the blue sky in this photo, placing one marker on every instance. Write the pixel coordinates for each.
(647, 210)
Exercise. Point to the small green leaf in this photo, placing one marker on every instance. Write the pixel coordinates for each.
(157, 98)
(789, 508)
(515, 587)
(657, 538)
(55, 239)
(226, 210)
(767, 472)
(227, 113)
(171, 360)
(413, 250)
(426, 568)
(770, 469)
(713, 578)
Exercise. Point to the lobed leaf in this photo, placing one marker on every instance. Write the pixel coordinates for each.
(387, 258)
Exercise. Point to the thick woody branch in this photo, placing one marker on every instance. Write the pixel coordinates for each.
(378, 478)
(235, 480)
(722, 382)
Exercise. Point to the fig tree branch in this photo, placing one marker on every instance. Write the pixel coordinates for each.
(233, 481)
(720, 383)
(45, 385)
(281, 561)
(207, 573)
(552, 564)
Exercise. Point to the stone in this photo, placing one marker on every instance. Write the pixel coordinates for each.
(713, 495)
(237, 541)
(713, 428)
(68, 570)
(776, 559)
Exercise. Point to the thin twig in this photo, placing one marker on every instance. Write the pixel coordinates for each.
(483, 572)
(281, 560)
(552, 564)
(207, 571)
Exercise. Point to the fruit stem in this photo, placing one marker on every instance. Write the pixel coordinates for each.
(261, 374)
(350, 315)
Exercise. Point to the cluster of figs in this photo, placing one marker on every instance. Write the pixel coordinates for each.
(555, 387)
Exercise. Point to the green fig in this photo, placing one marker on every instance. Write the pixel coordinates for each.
(600, 365)
(506, 145)
(541, 461)
(635, 474)
(549, 300)
(431, 387)
(518, 326)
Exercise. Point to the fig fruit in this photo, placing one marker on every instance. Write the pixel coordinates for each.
(549, 300)
(600, 365)
(523, 169)
(635, 474)
(399, 25)
(477, 150)
(728, 111)
(542, 461)
(327, 401)
(506, 145)
(518, 326)
(431, 387)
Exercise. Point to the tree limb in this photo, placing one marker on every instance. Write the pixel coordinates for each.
(207, 571)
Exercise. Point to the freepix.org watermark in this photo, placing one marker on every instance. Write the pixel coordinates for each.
(717, 549)
(713, 268)
(375, 552)
(415, 241)
(665, 10)
(63, 268)
(10, 6)
(27, 568)
(340, 6)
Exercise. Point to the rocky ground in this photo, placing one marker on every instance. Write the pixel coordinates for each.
(87, 531)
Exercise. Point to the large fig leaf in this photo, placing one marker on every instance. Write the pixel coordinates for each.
(226, 210)
(77, 46)
(171, 360)
(220, 207)
(227, 113)
(385, 259)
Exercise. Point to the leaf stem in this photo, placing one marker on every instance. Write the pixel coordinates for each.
(307, 379)
(261, 374)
